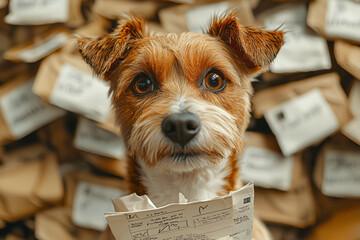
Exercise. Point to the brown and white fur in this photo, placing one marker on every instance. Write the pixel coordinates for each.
(178, 68)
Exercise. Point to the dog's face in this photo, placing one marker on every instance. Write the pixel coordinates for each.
(182, 100)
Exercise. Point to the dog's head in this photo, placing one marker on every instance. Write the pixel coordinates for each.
(182, 100)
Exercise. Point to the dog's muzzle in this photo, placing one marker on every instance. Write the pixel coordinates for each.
(181, 127)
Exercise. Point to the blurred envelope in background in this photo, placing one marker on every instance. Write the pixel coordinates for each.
(352, 129)
(55, 224)
(89, 196)
(305, 112)
(29, 181)
(348, 57)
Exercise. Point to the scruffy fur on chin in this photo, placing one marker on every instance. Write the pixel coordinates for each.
(206, 75)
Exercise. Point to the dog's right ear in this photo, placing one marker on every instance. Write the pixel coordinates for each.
(105, 53)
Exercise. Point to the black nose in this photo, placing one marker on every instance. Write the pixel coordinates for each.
(181, 127)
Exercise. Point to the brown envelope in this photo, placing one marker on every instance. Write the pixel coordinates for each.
(51, 66)
(73, 178)
(293, 208)
(3, 3)
(55, 224)
(76, 18)
(29, 181)
(118, 167)
(328, 84)
(352, 129)
(173, 19)
(49, 71)
(114, 9)
(14, 54)
(348, 57)
(269, 142)
(327, 206)
(96, 27)
(5, 134)
(338, 142)
(317, 16)
(342, 225)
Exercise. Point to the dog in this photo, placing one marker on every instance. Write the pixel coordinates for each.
(183, 103)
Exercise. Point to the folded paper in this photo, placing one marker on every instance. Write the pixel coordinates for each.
(227, 217)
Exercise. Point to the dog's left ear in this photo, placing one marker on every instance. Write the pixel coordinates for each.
(104, 53)
(256, 48)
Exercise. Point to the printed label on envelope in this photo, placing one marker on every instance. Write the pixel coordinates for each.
(198, 18)
(81, 93)
(301, 121)
(266, 168)
(27, 12)
(45, 47)
(341, 174)
(90, 202)
(24, 112)
(302, 50)
(231, 215)
(91, 138)
(343, 19)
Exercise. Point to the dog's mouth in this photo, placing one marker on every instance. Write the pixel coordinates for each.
(187, 161)
(182, 156)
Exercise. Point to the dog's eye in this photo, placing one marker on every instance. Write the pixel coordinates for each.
(143, 85)
(214, 81)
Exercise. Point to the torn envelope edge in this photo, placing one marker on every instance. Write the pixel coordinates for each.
(230, 215)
